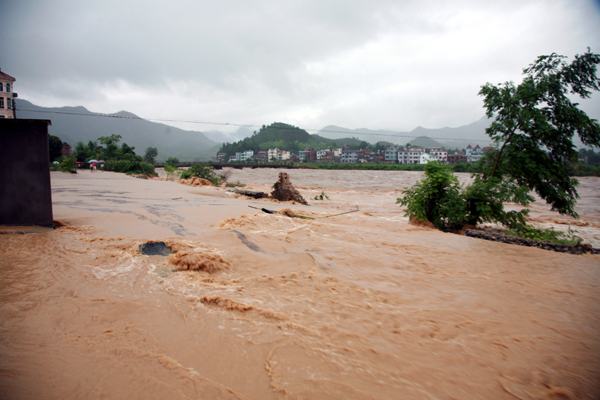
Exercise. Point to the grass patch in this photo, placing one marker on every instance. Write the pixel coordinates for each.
(547, 235)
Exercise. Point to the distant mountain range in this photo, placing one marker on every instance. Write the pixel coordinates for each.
(75, 124)
(450, 138)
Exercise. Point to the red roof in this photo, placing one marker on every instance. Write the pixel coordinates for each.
(469, 147)
(6, 77)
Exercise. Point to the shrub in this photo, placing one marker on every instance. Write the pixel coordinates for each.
(547, 235)
(172, 171)
(236, 184)
(201, 170)
(437, 198)
(172, 161)
(69, 164)
(130, 167)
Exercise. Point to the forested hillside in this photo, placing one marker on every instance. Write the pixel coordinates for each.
(285, 137)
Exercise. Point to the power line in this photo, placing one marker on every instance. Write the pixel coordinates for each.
(243, 125)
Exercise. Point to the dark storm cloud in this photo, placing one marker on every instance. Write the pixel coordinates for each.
(380, 64)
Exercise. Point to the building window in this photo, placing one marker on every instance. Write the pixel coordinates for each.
(8, 103)
(8, 87)
(1, 87)
(1, 102)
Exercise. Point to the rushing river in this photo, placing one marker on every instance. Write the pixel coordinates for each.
(263, 306)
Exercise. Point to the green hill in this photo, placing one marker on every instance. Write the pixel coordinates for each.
(284, 137)
(424, 141)
(290, 138)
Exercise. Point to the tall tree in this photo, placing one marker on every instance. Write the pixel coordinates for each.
(54, 147)
(534, 126)
(535, 122)
(150, 156)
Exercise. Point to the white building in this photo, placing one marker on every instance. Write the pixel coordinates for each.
(424, 158)
(438, 154)
(244, 156)
(411, 155)
(474, 154)
(283, 155)
(273, 154)
(391, 154)
(349, 156)
(322, 153)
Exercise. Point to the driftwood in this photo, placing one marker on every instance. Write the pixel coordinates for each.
(249, 193)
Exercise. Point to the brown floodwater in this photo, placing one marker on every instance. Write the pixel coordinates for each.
(263, 306)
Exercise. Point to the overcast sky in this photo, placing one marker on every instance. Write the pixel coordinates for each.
(378, 64)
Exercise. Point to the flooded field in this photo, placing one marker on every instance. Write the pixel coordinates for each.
(263, 306)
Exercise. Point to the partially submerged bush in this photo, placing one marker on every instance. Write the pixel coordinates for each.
(69, 164)
(172, 172)
(201, 170)
(130, 167)
(236, 184)
(441, 200)
(436, 199)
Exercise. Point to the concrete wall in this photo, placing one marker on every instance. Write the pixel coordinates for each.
(25, 194)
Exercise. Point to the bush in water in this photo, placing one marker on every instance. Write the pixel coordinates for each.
(130, 167)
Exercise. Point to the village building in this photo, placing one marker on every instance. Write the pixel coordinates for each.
(66, 150)
(7, 96)
(348, 156)
(260, 157)
(410, 155)
(283, 155)
(272, 154)
(391, 154)
(474, 154)
(244, 156)
(458, 157)
(438, 154)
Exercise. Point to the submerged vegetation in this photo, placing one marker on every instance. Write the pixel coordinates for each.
(115, 158)
(533, 130)
(201, 170)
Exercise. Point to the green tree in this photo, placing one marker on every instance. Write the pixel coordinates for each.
(533, 131)
(54, 147)
(150, 156)
(201, 170)
(172, 161)
(112, 139)
(80, 152)
(68, 164)
(535, 123)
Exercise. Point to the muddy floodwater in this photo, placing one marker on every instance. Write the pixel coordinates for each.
(253, 305)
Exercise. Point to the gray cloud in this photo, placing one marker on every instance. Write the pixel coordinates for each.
(378, 64)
